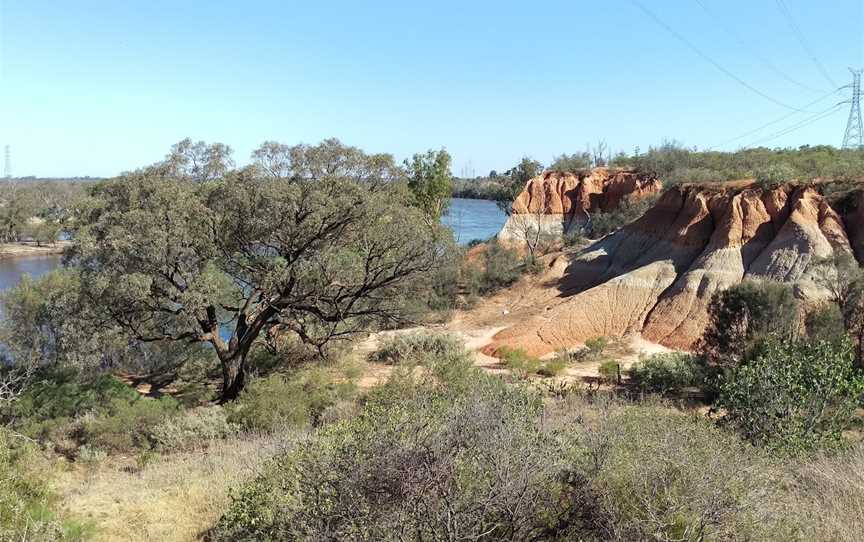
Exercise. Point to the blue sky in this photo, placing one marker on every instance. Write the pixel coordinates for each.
(96, 87)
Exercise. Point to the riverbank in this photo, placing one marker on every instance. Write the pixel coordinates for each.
(27, 248)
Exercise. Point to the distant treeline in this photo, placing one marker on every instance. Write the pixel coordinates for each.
(674, 164)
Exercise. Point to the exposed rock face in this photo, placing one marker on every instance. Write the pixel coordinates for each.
(657, 275)
(557, 201)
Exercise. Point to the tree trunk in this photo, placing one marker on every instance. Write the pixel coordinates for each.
(233, 376)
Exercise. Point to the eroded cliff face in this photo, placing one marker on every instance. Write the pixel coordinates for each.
(557, 202)
(656, 275)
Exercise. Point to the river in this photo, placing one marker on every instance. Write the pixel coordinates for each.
(469, 218)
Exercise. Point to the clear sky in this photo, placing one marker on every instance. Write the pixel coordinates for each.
(95, 87)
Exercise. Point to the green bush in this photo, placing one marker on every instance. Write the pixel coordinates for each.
(596, 346)
(663, 475)
(128, 426)
(773, 175)
(267, 404)
(744, 315)
(609, 371)
(667, 372)
(629, 210)
(58, 396)
(416, 347)
(518, 360)
(553, 367)
(472, 465)
(193, 428)
(26, 503)
(502, 266)
(793, 397)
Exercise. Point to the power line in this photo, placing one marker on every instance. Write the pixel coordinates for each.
(801, 124)
(707, 58)
(854, 136)
(773, 122)
(781, 4)
(743, 44)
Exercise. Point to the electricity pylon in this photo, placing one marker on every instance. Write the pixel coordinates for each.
(854, 137)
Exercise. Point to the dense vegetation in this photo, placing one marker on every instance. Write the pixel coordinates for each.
(195, 357)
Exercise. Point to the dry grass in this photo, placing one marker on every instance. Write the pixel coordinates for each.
(830, 493)
(174, 498)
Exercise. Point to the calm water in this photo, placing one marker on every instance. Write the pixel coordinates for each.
(474, 219)
(469, 218)
(11, 269)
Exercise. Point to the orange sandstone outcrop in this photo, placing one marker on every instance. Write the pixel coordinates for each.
(557, 201)
(656, 275)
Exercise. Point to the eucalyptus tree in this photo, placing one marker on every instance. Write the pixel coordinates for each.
(252, 256)
(430, 181)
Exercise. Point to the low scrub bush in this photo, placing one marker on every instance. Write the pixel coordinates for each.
(193, 428)
(26, 503)
(667, 372)
(267, 404)
(416, 347)
(127, 426)
(443, 465)
(793, 397)
(610, 371)
(663, 475)
(518, 361)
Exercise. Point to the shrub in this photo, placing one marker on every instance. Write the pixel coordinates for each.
(773, 175)
(128, 426)
(553, 367)
(667, 372)
(663, 475)
(610, 371)
(596, 346)
(25, 500)
(629, 210)
(793, 397)
(268, 404)
(744, 315)
(517, 360)
(193, 428)
(444, 465)
(58, 395)
(416, 347)
(502, 266)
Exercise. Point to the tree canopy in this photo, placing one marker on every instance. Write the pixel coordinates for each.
(320, 255)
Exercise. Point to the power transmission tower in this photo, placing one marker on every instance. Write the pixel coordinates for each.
(854, 138)
(7, 170)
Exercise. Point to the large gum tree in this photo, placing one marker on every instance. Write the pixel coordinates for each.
(327, 247)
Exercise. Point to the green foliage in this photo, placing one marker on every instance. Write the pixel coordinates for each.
(416, 347)
(128, 425)
(514, 180)
(58, 396)
(825, 322)
(610, 371)
(596, 346)
(667, 373)
(465, 465)
(793, 397)
(744, 315)
(500, 266)
(673, 163)
(26, 503)
(629, 210)
(517, 360)
(431, 459)
(553, 367)
(430, 181)
(193, 428)
(773, 175)
(277, 401)
(571, 162)
(336, 245)
(663, 475)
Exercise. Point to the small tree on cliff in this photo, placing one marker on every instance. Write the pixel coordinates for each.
(244, 257)
(515, 180)
(430, 181)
